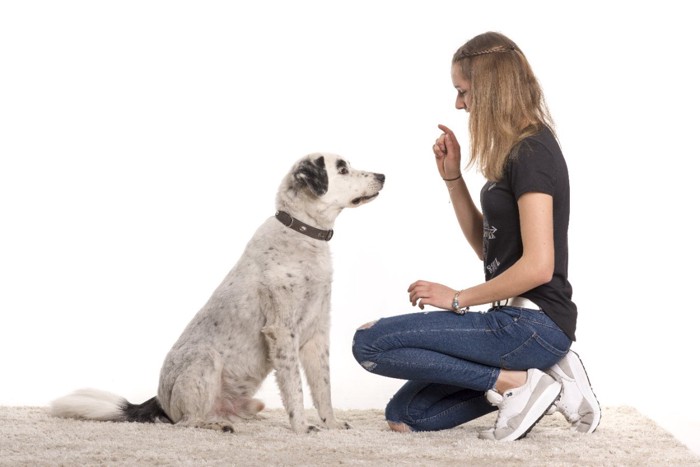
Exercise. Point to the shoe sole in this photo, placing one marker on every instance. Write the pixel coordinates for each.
(580, 374)
(536, 412)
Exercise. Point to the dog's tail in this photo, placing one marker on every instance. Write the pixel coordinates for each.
(92, 404)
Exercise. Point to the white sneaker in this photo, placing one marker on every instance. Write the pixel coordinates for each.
(577, 403)
(521, 408)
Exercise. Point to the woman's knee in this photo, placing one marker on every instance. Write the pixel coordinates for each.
(367, 325)
(361, 349)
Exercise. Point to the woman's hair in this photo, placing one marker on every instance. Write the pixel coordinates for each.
(507, 104)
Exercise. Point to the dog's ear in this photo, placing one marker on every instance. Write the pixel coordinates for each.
(312, 174)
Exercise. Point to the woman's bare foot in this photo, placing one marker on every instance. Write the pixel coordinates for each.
(399, 427)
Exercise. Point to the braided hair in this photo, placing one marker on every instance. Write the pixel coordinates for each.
(464, 53)
(507, 101)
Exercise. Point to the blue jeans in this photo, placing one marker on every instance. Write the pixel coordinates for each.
(451, 360)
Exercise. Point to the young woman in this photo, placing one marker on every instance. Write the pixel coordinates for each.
(515, 356)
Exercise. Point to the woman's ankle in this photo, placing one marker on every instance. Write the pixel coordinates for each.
(510, 379)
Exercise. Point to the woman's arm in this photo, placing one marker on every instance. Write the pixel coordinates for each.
(470, 219)
(534, 268)
(448, 156)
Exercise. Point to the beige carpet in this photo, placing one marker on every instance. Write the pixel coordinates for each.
(29, 436)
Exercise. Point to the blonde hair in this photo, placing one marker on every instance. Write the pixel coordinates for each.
(507, 102)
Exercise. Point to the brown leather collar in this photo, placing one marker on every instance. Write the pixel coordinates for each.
(301, 227)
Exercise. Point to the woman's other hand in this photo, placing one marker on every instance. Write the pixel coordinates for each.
(423, 293)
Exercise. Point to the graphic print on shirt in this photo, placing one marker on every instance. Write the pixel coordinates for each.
(493, 267)
(490, 234)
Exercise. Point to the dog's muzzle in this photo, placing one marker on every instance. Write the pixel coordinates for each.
(362, 199)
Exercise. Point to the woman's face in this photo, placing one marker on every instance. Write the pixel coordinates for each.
(464, 88)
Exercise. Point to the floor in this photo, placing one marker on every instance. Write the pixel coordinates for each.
(685, 430)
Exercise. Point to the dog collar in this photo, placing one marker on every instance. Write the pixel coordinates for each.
(306, 229)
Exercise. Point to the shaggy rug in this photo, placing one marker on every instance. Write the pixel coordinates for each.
(30, 437)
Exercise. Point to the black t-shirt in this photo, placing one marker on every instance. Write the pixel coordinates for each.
(537, 166)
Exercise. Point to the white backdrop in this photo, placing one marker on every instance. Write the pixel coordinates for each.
(142, 142)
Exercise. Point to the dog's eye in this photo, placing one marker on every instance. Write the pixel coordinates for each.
(343, 171)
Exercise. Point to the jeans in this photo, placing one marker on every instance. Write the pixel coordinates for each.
(451, 360)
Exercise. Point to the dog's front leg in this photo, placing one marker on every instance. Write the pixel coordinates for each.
(283, 345)
(315, 360)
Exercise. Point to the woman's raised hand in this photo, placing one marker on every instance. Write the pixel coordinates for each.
(447, 154)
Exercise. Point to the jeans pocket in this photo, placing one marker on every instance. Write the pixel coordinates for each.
(501, 318)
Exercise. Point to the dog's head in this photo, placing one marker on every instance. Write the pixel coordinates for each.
(327, 181)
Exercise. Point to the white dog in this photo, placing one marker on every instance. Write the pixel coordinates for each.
(270, 312)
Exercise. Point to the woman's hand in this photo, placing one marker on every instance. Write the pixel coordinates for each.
(448, 154)
(423, 293)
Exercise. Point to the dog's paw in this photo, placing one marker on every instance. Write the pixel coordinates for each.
(338, 425)
(222, 426)
(313, 429)
(304, 427)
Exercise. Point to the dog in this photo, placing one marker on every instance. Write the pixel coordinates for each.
(271, 312)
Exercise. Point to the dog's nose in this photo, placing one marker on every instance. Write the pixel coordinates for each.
(380, 177)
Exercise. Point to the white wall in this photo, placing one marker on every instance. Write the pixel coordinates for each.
(141, 144)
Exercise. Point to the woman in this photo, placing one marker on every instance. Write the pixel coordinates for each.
(516, 356)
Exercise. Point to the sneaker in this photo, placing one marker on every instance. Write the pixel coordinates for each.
(521, 408)
(577, 403)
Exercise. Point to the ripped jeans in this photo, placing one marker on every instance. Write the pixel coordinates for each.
(451, 360)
